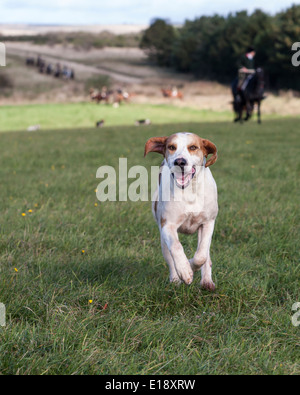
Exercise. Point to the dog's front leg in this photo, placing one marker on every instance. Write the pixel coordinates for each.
(202, 256)
(180, 262)
(174, 278)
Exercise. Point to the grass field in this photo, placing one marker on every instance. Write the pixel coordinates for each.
(85, 286)
(86, 114)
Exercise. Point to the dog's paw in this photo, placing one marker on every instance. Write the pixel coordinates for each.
(195, 267)
(186, 275)
(196, 264)
(175, 280)
(208, 285)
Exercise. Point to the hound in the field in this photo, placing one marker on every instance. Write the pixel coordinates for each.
(185, 202)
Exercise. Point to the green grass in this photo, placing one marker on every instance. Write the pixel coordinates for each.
(84, 115)
(137, 322)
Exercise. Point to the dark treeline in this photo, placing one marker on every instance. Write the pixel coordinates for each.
(210, 47)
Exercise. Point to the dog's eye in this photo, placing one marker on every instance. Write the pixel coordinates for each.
(193, 148)
(172, 147)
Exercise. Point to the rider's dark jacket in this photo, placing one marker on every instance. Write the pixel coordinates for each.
(246, 62)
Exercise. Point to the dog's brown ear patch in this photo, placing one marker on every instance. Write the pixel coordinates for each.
(209, 148)
(156, 144)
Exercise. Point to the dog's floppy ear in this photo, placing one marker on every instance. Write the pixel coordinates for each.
(209, 148)
(156, 144)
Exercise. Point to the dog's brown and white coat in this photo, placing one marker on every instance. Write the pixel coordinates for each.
(192, 204)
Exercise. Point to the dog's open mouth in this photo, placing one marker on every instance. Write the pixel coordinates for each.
(183, 176)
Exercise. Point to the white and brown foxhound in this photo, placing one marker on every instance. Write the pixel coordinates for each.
(185, 202)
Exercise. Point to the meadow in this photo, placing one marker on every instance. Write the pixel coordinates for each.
(85, 285)
(85, 115)
(52, 116)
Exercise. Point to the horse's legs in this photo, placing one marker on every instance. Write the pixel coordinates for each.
(238, 107)
(258, 112)
(248, 110)
(241, 115)
(237, 111)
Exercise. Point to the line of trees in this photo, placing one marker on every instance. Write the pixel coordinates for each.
(211, 46)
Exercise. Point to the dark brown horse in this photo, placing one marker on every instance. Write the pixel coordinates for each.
(244, 100)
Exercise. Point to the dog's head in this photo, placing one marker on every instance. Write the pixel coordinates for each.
(184, 153)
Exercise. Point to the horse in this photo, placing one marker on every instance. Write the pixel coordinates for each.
(49, 69)
(245, 99)
(99, 96)
(122, 96)
(42, 66)
(172, 93)
(30, 62)
(57, 71)
(67, 73)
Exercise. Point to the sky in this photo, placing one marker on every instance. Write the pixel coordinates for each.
(140, 12)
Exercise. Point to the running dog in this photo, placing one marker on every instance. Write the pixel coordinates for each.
(185, 202)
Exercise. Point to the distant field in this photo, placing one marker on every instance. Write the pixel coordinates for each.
(75, 115)
(85, 284)
(85, 115)
(31, 30)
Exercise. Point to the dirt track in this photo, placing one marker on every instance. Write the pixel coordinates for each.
(60, 54)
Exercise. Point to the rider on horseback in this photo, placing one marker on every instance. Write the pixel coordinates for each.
(248, 87)
(246, 69)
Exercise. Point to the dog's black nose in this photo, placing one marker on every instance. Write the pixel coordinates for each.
(181, 162)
